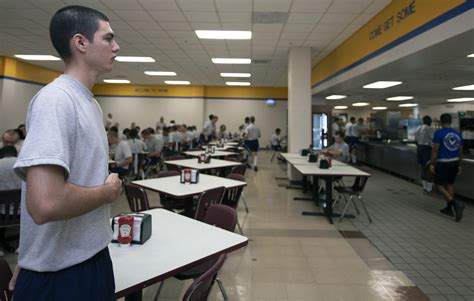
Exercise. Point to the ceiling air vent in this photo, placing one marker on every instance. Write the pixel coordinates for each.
(269, 17)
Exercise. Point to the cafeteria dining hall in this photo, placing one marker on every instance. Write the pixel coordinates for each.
(283, 150)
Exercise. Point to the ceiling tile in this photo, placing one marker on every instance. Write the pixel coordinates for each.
(307, 6)
(267, 27)
(304, 18)
(134, 15)
(235, 17)
(193, 5)
(234, 6)
(271, 5)
(170, 26)
(167, 16)
(197, 16)
(332, 18)
(300, 28)
(165, 5)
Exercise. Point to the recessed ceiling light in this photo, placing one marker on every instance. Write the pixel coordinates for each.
(463, 99)
(230, 61)
(464, 88)
(31, 57)
(408, 105)
(237, 83)
(382, 85)
(399, 98)
(224, 34)
(116, 81)
(379, 108)
(160, 73)
(471, 55)
(135, 59)
(340, 107)
(177, 82)
(360, 104)
(336, 96)
(235, 74)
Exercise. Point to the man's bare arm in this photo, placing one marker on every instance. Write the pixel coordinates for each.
(51, 198)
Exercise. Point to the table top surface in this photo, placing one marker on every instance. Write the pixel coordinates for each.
(304, 161)
(173, 186)
(335, 170)
(230, 143)
(193, 163)
(215, 154)
(176, 243)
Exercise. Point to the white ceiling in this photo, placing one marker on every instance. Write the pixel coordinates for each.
(164, 30)
(429, 75)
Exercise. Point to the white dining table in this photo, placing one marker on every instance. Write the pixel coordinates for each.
(194, 164)
(217, 153)
(177, 243)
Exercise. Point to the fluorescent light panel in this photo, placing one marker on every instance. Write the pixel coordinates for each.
(160, 73)
(231, 61)
(340, 107)
(408, 105)
(464, 88)
(382, 85)
(35, 57)
(360, 104)
(116, 81)
(235, 74)
(177, 82)
(399, 98)
(471, 55)
(224, 34)
(379, 108)
(463, 99)
(135, 59)
(336, 96)
(237, 83)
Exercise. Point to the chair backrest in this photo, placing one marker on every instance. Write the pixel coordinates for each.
(137, 198)
(221, 216)
(137, 162)
(168, 173)
(360, 181)
(177, 157)
(206, 199)
(201, 286)
(10, 207)
(5, 276)
(239, 169)
(232, 195)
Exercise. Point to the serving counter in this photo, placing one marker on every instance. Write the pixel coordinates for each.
(400, 159)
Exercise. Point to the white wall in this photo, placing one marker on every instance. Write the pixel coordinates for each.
(14, 98)
(147, 111)
(233, 112)
(436, 110)
(195, 111)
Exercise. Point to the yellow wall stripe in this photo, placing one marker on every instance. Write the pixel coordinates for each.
(397, 19)
(26, 72)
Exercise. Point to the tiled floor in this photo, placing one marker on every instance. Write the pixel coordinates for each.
(295, 257)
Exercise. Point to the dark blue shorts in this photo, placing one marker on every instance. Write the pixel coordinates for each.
(91, 280)
(423, 154)
(252, 145)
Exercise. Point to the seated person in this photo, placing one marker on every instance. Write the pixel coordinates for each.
(339, 150)
(122, 155)
(153, 146)
(8, 179)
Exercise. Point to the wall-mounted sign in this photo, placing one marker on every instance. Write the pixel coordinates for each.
(393, 20)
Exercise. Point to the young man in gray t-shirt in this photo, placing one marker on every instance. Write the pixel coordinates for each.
(65, 211)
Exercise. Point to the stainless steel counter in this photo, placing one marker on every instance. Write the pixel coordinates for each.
(401, 160)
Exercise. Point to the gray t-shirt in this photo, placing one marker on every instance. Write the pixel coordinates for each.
(65, 128)
(122, 152)
(154, 144)
(252, 132)
(344, 148)
(8, 179)
(136, 146)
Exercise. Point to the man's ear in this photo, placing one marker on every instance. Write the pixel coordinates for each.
(80, 43)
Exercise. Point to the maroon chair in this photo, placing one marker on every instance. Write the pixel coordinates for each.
(354, 191)
(5, 276)
(9, 215)
(232, 195)
(206, 199)
(221, 216)
(137, 198)
(240, 170)
(201, 286)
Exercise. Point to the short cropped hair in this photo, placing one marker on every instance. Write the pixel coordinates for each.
(445, 118)
(339, 133)
(427, 120)
(8, 151)
(71, 20)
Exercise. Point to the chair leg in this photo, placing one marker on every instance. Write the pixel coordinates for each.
(245, 202)
(158, 291)
(221, 287)
(240, 228)
(365, 208)
(337, 200)
(345, 209)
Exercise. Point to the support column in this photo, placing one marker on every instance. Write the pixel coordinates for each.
(299, 102)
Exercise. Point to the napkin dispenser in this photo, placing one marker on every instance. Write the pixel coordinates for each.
(141, 227)
(304, 152)
(313, 158)
(189, 176)
(324, 163)
(204, 158)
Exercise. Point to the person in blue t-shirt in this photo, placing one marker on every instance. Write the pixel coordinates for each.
(445, 164)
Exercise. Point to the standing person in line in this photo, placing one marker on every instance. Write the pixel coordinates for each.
(252, 133)
(109, 122)
(160, 125)
(357, 130)
(335, 128)
(424, 137)
(350, 138)
(445, 163)
(67, 189)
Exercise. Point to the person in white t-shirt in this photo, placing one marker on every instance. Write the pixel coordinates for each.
(252, 134)
(123, 154)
